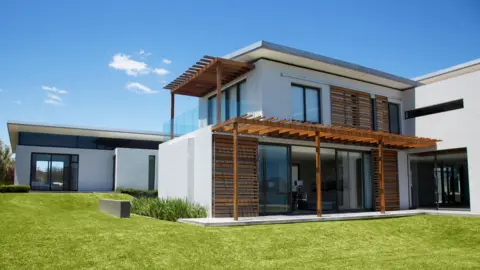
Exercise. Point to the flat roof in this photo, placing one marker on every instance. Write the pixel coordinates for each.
(450, 72)
(15, 127)
(268, 50)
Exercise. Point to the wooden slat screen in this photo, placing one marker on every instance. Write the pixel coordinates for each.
(223, 176)
(390, 168)
(351, 108)
(381, 108)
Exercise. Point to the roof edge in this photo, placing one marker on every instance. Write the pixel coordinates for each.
(448, 70)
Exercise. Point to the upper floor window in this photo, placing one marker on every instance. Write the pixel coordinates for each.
(305, 104)
(438, 108)
(394, 117)
(233, 103)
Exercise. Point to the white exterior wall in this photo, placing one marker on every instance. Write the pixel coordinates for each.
(185, 168)
(456, 129)
(131, 169)
(95, 166)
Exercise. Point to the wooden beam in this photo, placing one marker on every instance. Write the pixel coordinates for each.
(235, 171)
(318, 174)
(172, 114)
(219, 93)
(381, 176)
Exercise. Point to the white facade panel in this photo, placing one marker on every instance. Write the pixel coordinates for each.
(185, 168)
(132, 168)
(95, 166)
(458, 128)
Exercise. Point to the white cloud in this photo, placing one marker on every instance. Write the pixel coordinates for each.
(167, 61)
(144, 54)
(161, 71)
(131, 67)
(140, 88)
(53, 102)
(54, 97)
(54, 90)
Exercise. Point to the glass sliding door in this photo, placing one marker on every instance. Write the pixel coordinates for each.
(274, 179)
(54, 172)
(350, 182)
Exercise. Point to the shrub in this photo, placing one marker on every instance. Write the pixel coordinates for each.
(138, 193)
(167, 209)
(14, 188)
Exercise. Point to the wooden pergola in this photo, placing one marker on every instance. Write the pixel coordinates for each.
(208, 74)
(272, 127)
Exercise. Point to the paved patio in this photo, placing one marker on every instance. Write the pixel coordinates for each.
(283, 219)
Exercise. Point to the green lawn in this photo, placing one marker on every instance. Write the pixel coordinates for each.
(66, 231)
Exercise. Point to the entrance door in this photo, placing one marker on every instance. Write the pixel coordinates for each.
(274, 179)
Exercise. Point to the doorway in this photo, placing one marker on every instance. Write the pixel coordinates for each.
(54, 172)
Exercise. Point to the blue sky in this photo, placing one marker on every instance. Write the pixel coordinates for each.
(103, 63)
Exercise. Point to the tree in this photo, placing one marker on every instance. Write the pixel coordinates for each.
(7, 165)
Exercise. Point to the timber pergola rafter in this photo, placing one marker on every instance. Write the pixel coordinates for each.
(272, 127)
(206, 75)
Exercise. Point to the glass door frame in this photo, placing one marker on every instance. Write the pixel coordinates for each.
(262, 175)
(69, 177)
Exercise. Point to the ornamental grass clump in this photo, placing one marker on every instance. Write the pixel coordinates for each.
(167, 209)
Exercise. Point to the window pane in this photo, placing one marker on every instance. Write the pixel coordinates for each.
(224, 104)
(151, 172)
(312, 102)
(212, 110)
(242, 88)
(394, 118)
(40, 172)
(232, 102)
(297, 103)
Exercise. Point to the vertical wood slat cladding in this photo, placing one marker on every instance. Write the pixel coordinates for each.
(381, 107)
(390, 168)
(222, 192)
(351, 108)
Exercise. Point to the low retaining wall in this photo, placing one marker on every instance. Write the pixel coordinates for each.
(117, 208)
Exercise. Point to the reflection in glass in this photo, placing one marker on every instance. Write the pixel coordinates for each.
(40, 167)
(297, 103)
(274, 181)
(53, 172)
(312, 105)
(350, 188)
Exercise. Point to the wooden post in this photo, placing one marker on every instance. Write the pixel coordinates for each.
(318, 174)
(381, 176)
(219, 93)
(235, 171)
(172, 114)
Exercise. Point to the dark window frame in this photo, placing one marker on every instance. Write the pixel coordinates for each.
(151, 171)
(304, 93)
(374, 113)
(227, 102)
(434, 109)
(398, 106)
(70, 176)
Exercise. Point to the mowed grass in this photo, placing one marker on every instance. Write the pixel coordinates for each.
(66, 231)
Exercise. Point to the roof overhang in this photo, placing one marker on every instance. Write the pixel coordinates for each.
(300, 58)
(272, 127)
(450, 72)
(201, 78)
(14, 128)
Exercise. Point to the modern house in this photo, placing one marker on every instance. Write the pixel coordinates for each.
(67, 158)
(283, 131)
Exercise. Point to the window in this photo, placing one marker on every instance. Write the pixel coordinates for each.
(438, 108)
(305, 104)
(54, 172)
(84, 142)
(233, 103)
(151, 172)
(374, 114)
(394, 117)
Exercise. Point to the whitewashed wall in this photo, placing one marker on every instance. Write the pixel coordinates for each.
(185, 168)
(456, 129)
(131, 170)
(95, 166)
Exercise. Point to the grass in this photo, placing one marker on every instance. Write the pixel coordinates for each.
(66, 231)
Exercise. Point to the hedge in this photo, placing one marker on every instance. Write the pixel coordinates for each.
(167, 209)
(138, 193)
(14, 188)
